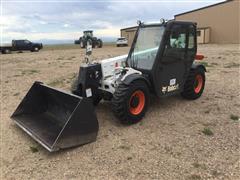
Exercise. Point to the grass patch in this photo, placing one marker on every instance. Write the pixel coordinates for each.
(73, 76)
(234, 117)
(214, 64)
(232, 65)
(60, 58)
(194, 177)
(207, 131)
(56, 82)
(71, 58)
(196, 165)
(215, 173)
(16, 94)
(207, 111)
(17, 75)
(205, 64)
(129, 158)
(33, 149)
(124, 147)
(30, 71)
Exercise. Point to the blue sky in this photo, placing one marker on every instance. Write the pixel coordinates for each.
(66, 19)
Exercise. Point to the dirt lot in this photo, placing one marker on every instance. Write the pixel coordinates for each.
(177, 139)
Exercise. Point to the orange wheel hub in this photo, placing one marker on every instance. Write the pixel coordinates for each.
(198, 83)
(137, 102)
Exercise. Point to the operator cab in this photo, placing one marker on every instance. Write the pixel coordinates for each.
(164, 52)
(88, 33)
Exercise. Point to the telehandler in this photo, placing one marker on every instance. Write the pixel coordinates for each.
(161, 61)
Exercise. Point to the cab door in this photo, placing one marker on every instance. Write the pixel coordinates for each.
(173, 67)
(26, 45)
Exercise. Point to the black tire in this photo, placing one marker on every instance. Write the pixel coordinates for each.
(117, 45)
(7, 51)
(194, 85)
(125, 104)
(100, 43)
(75, 89)
(82, 43)
(35, 49)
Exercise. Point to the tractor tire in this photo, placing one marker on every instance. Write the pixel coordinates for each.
(130, 102)
(78, 91)
(82, 44)
(194, 85)
(99, 43)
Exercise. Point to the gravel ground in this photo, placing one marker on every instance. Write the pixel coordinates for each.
(177, 139)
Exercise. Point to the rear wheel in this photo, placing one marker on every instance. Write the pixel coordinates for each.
(194, 85)
(130, 102)
(7, 51)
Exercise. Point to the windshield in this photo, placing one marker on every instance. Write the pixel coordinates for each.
(146, 47)
(121, 39)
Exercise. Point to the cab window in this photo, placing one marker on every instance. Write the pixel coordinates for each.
(178, 40)
(26, 42)
(191, 38)
(176, 43)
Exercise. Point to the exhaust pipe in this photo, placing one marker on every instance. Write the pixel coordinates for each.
(56, 119)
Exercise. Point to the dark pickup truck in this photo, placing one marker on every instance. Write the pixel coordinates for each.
(21, 45)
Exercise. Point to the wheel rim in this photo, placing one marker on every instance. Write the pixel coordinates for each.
(198, 83)
(137, 102)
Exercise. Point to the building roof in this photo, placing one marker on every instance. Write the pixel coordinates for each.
(133, 27)
(227, 1)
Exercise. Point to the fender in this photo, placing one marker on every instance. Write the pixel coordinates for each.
(195, 66)
(132, 77)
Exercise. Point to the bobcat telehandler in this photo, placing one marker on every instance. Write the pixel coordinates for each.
(161, 61)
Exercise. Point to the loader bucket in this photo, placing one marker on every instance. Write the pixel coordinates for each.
(56, 119)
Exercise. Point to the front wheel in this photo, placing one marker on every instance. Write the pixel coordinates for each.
(130, 102)
(194, 84)
(35, 49)
(82, 44)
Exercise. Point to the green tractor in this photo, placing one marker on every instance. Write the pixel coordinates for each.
(88, 35)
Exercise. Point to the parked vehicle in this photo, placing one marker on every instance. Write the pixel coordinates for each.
(21, 45)
(122, 41)
(88, 35)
